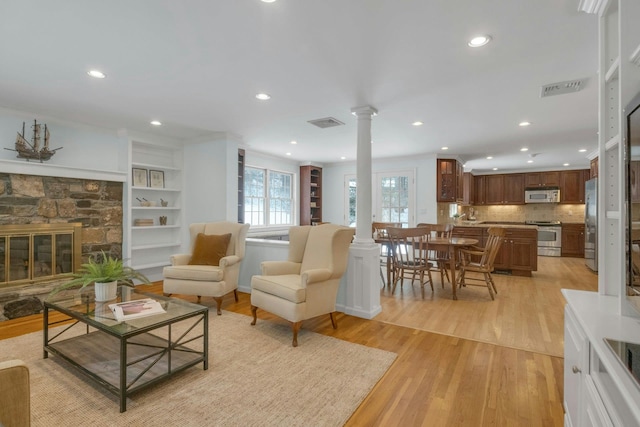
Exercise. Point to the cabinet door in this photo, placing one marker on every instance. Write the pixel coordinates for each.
(524, 254)
(503, 257)
(446, 180)
(459, 182)
(514, 189)
(468, 189)
(494, 189)
(572, 186)
(479, 193)
(573, 240)
(576, 348)
(543, 179)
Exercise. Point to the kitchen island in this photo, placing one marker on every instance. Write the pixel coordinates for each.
(518, 254)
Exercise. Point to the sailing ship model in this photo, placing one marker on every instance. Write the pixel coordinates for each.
(31, 150)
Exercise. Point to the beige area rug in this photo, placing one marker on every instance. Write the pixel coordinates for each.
(255, 378)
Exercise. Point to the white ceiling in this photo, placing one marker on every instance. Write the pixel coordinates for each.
(196, 65)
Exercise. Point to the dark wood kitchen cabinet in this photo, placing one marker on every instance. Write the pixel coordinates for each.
(572, 185)
(506, 189)
(468, 189)
(479, 193)
(573, 240)
(542, 179)
(449, 180)
(518, 252)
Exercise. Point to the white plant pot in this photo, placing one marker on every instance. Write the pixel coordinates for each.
(106, 291)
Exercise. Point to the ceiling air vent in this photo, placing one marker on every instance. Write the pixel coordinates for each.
(327, 122)
(561, 88)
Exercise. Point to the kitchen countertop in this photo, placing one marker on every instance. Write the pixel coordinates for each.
(487, 224)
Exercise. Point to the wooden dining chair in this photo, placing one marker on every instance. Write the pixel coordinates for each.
(484, 266)
(410, 247)
(379, 232)
(439, 259)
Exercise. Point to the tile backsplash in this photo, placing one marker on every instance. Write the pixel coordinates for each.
(518, 213)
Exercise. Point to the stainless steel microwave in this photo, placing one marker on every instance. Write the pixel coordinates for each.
(542, 195)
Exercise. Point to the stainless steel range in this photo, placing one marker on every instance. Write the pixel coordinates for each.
(549, 237)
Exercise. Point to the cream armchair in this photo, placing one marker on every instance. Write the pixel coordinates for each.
(306, 285)
(189, 274)
(15, 403)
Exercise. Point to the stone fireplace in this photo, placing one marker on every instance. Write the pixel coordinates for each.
(90, 210)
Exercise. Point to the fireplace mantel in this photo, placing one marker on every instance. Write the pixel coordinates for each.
(50, 169)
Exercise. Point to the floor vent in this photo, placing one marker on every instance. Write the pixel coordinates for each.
(327, 122)
(561, 88)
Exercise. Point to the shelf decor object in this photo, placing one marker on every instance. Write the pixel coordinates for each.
(140, 177)
(156, 179)
(32, 150)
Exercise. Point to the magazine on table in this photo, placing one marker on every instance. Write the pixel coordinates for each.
(137, 308)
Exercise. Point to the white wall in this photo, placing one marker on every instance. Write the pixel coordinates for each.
(333, 175)
(83, 146)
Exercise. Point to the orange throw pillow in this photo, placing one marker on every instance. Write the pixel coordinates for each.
(209, 248)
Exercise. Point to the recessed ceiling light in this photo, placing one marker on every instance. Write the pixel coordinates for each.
(268, 1)
(523, 124)
(529, 161)
(288, 154)
(156, 122)
(342, 158)
(489, 157)
(565, 164)
(479, 41)
(418, 123)
(445, 148)
(294, 142)
(97, 74)
(582, 150)
(263, 96)
(524, 149)
(495, 169)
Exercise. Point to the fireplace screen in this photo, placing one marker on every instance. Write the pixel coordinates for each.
(37, 252)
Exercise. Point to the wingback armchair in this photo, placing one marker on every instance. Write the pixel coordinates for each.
(306, 285)
(211, 269)
(15, 404)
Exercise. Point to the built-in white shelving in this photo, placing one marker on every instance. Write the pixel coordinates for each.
(152, 245)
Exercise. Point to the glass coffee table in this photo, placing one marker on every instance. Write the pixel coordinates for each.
(126, 356)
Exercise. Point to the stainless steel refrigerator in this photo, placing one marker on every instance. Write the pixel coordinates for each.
(591, 223)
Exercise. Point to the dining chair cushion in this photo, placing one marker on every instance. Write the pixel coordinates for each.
(194, 272)
(287, 286)
(209, 249)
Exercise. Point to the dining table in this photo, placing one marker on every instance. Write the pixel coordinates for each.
(444, 244)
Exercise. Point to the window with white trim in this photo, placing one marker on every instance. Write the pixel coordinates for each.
(268, 197)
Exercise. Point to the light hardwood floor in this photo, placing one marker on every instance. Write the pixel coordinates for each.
(471, 362)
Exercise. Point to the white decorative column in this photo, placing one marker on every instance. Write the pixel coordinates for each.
(363, 286)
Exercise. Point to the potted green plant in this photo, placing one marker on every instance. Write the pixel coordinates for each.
(105, 272)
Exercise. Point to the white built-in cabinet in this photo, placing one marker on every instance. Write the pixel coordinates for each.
(152, 244)
(598, 389)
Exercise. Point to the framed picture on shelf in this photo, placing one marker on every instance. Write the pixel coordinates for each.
(140, 178)
(156, 179)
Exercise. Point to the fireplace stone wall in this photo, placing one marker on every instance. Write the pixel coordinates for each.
(29, 199)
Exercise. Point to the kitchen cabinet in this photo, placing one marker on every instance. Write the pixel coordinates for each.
(479, 190)
(448, 180)
(468, 189)
(518, 252)
(506, 189)
(573, 240)
(310, 195)
(542, 179)
(494, 189)
(459, 182)
(572, 185)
